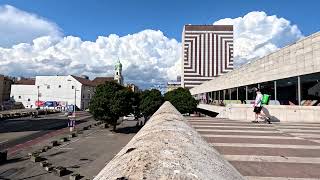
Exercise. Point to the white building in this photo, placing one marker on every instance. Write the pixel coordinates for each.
(54, 92)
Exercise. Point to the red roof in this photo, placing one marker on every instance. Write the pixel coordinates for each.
(101, 80)
(84, 81)
(26, 82)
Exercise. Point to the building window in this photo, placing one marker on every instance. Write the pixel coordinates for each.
(28, 99)
(82, 96)
(72, 87)
(287, 91)
(252, 92)
(226, 94)
(242, 94)
(268, 88)
(310, 89)
(221, 95)
(89, 96)
(19, 97)
(48, 86)
(233, 93)
(59, 86)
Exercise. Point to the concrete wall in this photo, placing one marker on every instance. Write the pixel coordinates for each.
(168, 148)
(275, 112)
(302, 57)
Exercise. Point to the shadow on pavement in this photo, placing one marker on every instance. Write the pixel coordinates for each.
(128, 130)
(13, 160)
(32, 177)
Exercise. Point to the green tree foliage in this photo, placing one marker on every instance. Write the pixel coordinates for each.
(182, 100)
(150, 101)
(110, 102)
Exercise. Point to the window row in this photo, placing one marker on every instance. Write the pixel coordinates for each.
(300, 90)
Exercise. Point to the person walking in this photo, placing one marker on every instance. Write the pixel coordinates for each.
(258, 107)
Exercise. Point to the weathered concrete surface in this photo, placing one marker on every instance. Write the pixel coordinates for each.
(168, 148)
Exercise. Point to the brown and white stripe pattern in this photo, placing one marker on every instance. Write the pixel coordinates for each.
(207, 52)
(263, 152)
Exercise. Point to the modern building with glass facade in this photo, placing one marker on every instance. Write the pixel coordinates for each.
(290, 75)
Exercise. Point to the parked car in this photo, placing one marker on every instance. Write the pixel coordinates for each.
(129, 117)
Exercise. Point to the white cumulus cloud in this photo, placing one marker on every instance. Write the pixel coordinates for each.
(147, 57)
(17, 26)
(256, 34)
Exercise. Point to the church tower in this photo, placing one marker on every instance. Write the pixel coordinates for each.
(118, 72)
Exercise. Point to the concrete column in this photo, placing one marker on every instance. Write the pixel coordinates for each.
(275, 90)
(299, 90)
(237, 93)
(246, 93)
(229, 93)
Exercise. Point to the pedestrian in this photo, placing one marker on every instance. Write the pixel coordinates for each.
(258, 107)
(71, 124)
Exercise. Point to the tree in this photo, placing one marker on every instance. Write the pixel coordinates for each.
(182, 100)
(110, 102)
(150, 101)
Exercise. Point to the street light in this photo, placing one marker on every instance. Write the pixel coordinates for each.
(74, 108)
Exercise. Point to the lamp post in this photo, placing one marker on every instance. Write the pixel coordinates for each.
(38, 98)
(73, 122)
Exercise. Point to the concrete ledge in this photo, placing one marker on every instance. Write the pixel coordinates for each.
(168, 148)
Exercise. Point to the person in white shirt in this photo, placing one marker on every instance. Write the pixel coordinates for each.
(258, 107)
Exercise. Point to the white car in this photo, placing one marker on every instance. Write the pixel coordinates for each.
(129, 117)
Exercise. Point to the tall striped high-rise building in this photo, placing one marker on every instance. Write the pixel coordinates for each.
(207, 53)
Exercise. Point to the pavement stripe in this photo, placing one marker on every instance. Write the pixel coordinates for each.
(259, 141)
(264, 151)
(306, 135)
(226, 126)
(229, 124)
(3, 141)
(267, 145)
(300, 130)
(253, 158)
(277, 169)
(277, 178)
(227, 130)
(244, 133)
(253, 136)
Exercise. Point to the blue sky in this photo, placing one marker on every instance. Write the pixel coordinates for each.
(86, 37)
(91, 18)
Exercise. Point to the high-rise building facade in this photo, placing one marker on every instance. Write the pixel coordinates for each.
(207, 53)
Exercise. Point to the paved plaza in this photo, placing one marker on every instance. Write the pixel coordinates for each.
(265, 151)
(85, 154)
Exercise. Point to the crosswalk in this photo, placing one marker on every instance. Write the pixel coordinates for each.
(265, 151)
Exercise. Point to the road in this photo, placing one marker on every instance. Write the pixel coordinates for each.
(85, 154)
(21, 130)
(275, 151)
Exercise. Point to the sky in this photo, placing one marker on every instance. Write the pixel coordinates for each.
(56, 37)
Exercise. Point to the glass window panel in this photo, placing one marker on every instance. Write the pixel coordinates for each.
(233, 93)
(251, 91)
(268, 88)
(227, 94)
(221, 95)
(287, 91)
(242, 94)
(310, 89)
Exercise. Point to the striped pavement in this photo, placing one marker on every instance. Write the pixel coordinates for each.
(261, 151)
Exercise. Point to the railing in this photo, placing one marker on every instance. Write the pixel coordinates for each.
(168, 148)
